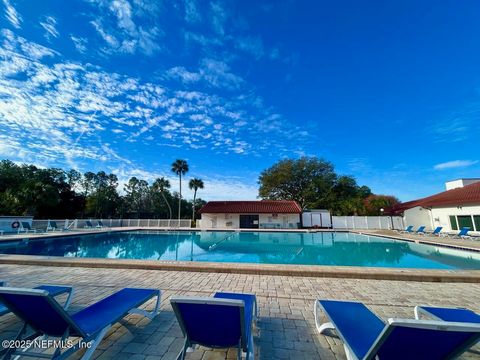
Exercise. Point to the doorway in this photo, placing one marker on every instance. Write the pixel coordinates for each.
(248, 221)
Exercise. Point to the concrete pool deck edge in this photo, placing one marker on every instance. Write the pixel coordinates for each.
(421, 275)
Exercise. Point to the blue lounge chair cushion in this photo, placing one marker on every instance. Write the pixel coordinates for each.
(212, 325)
(356, 324)
(249, 301)
(112, 308)
(421, 229)
(418, 344)
(53, 290)
(451, 314)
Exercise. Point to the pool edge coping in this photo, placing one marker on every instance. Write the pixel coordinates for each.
(349, 272)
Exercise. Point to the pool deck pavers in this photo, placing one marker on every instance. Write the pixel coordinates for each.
(465, 243)
(286, 328)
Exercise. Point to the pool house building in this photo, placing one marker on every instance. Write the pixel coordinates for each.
(453, 209)
(262, 214)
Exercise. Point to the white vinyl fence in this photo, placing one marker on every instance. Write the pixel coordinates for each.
(367, 222)
(75, 224)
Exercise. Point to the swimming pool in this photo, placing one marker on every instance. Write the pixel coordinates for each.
(299, 248)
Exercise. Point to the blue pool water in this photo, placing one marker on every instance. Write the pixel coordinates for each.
(321, 248)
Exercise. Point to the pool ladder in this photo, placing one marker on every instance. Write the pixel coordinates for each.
(213, 246)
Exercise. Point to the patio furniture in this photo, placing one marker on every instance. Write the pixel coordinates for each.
(25, 227)
(88, 224)
(222, 321)
(436, 232)
(366, 336)
(420, 230)
(447, 314)
(408, 229)
(462, 234)
(46, 317)
(53, 290)
(52, 225)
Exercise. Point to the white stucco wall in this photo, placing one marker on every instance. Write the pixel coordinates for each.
(417, 217)
(449, 185)
(212, 221)
(441, 215)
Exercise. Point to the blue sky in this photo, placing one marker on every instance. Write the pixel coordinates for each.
(386, 90)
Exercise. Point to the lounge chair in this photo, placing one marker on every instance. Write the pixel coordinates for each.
(366, 336)
(420, 230)
(53, 290)
(462, 234)
(408, 229)
(447, 314)
(52, 225)
(223, 321)
(46, 317)
(100, 224)
(435, 232)
(88, 224)
(25, 227)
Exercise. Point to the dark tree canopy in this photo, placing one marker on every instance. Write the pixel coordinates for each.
(56, 194)
(314, 184)
(374, 203)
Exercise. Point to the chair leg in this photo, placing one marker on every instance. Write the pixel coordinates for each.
(416, 312)
(94, 343)
(321, 327)
(182, 354)
(239, 350)
(349, 353)
(149, 314)
(69, 299)
(251, 349)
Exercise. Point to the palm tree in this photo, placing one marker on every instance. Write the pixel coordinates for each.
(194, 185)
(162, 185)
(180, 167)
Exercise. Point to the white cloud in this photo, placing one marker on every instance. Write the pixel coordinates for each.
(455, 164)
(49, 24)
(182, 74)
(109, 39)
(12, 15)
(252, 45)
(192, 14)
(215, 73)
(79, 43)
(125, 37)
(218, 17)
(60, 112)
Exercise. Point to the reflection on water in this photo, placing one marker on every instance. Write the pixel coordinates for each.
(324, 248)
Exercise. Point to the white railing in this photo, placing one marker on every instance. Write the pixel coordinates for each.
(368, 222)
(76, 224)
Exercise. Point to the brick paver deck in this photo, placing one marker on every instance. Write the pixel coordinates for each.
(286, 328)
(467, 243)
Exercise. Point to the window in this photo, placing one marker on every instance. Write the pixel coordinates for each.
(453, 222)
(465, 221)
(476, 221)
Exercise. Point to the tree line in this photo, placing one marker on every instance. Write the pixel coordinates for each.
(55, 193)
(314, 184)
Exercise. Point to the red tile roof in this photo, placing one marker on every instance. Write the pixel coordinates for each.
(469, 194)
(252, 207)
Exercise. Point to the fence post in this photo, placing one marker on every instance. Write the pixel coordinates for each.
(380, 223)
(148, 223)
